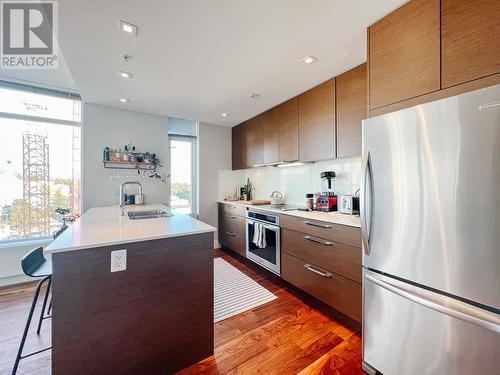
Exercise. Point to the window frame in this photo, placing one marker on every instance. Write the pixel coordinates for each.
(8, 243)
(194, 167)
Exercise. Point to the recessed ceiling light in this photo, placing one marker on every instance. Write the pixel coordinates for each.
(124, 100)
(224, 114)
(309, 59)
(254, 96)
(125, 74)
(128, 27)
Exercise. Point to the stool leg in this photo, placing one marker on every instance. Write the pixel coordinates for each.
(42, 313)
(50, 306)
(28, 322)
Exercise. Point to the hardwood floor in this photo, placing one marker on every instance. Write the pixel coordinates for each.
(285, 336)
(14, 307)
(290, 335)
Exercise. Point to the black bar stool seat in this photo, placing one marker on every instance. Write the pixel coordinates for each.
(34, 264)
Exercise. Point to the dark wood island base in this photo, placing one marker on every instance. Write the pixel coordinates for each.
(156, 317)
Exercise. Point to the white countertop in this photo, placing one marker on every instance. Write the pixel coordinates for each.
(104, 226)
(333, 217)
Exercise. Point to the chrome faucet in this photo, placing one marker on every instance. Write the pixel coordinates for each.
(122, 197)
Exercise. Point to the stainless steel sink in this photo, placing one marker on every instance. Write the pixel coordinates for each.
(148, 214)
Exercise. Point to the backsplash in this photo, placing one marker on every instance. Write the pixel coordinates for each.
(294, 182)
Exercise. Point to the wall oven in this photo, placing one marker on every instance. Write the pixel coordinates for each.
(263, 240)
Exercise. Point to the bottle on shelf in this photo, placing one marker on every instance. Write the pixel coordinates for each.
(105, 155)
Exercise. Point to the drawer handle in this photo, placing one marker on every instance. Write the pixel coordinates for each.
(325, 226)
(317, 271)
(230, 233)
(318, 240)
(232, 217)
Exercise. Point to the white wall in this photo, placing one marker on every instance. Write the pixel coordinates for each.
(214, 155)
(104, 126)
(293, 182)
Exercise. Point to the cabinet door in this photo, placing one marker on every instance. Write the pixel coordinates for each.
(270, 136)
(238, 147)
(254, 141)
(288, 130)
(351, 90)
(404, 53)
(471, 40)
(317, 123)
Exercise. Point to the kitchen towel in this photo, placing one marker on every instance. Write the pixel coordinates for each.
(235, 292)
(259, 235)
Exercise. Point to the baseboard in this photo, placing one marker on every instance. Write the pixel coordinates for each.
(13, 280)
(217, 244)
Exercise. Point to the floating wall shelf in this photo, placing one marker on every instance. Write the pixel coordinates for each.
(127, 165)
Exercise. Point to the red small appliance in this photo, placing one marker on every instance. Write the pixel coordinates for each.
(327, 200)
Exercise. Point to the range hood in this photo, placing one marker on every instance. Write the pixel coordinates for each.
(282, 164)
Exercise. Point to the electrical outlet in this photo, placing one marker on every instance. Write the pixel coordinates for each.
(118, 260)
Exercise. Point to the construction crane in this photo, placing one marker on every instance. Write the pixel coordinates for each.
(36, 191)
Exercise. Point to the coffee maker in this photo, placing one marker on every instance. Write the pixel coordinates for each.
(327, 200)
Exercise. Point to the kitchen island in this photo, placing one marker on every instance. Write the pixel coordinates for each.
(156, 316)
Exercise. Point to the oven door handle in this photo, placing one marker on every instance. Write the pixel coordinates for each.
(274, 228)
(271, 227)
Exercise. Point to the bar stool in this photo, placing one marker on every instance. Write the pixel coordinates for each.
(34, 264)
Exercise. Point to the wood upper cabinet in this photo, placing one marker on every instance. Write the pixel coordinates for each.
(470, 40)
(254, 141)
(404, 53)
(238, 146)
(288, 130)
(317, 123)
(270, 136)
(351, 90)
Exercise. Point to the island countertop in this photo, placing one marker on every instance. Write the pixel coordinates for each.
(102, 226)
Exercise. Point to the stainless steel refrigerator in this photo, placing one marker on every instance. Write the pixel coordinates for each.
(430, 207)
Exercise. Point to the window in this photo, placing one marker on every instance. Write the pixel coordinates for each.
(183, 167)
(39, 160)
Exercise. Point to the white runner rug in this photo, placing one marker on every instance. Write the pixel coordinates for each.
(235, 292)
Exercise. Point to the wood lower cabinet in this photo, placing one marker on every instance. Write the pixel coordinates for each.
(470, 40)
(317, 123)
(238, 147)
(342, 259)
(254, 141)
(339, 292)
(404, 53)
(351, 90)
(324, 260)
(328, 231)
(231, 229)
(270, 136)
(288, 130)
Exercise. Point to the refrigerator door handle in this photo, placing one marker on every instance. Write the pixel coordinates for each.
(367, 179)
(438, 302)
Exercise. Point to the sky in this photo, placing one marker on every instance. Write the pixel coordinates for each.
(181, 166)
(11, 147)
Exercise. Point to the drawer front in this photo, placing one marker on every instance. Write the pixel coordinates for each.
(233, 222)
(334, 232)
(340, 293)
(233, 209)
(233, 240)
(342, 259)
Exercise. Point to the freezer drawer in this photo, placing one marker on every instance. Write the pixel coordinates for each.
(408, 330)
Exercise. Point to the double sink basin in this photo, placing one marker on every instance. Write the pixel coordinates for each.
(148, 214)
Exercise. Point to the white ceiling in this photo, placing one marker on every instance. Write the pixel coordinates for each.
(196, 59)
